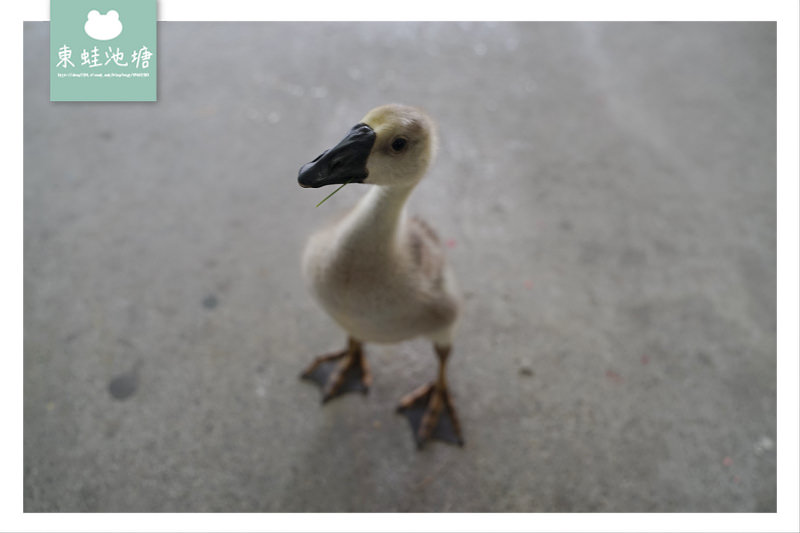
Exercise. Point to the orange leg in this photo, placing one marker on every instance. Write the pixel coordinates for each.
(430, 408)
(340, 372)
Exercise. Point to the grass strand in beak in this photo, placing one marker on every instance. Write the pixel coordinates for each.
(334, 192)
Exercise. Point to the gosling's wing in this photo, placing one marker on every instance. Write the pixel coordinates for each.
(425, 251)
(435, 286)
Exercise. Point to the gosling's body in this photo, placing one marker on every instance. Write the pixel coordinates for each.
(380, 274)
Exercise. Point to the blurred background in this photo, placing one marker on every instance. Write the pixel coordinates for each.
(606, 193)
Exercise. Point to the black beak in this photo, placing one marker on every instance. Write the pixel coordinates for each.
(344, 163)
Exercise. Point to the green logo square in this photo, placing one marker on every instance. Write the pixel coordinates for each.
(103, 50)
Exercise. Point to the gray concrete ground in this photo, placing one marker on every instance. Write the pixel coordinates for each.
(607, 195)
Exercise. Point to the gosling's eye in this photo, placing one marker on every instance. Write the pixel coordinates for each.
(399, 144)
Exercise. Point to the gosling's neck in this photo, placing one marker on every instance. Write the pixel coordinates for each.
(375, 223)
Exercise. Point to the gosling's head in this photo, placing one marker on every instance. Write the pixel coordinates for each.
(391, 146)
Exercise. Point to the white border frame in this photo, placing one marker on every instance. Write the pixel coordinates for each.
(787, 15)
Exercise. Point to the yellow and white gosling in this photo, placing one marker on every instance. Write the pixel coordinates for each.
(381, 275)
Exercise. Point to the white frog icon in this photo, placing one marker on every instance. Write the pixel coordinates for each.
(102, 27)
